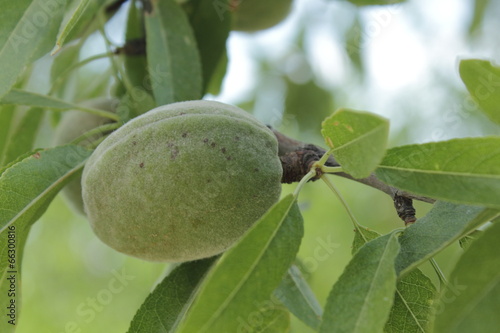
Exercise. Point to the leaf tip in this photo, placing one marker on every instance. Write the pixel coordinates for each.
(56, 49)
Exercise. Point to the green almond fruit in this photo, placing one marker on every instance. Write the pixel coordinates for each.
(254, 15)
(181, 182)
(74, 124)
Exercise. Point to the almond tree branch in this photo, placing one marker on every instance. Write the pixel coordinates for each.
(298, 157)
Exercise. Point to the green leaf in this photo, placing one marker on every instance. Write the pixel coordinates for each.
(80, 19)
(22, 139)
(173, 59)
(471, 300)
(375, 2)
(64, 59)
(240, 285)
(359, 140)
(136, 64)
(170, 298)
(361, 299)
(22, 97)
(26, 30)
(461, 170)
(308, 103)
(482, 80)
(480, 7)
(211, 29)
(412, 306)
(294, 292)
(354, 43)
(71, 21)
(445, 223)
(6, 127)
(215, 85)
(361, 237)
(27, 187)
(413, 298)
(467, 240)
(276, 319)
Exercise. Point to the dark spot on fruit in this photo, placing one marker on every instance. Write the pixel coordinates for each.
(256, 170)
(209, 181)
(134, 142)
(170, 144)
(182, 113)
(229, 158)
(141, 165)
(205, 140)
(174, 153)
(212, 145)
(184, 134)
(237, 138)
(223, 150)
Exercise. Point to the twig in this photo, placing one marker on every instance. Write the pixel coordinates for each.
(298, 157)
(289, 146)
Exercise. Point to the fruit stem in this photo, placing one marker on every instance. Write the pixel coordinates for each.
(305, 179)
(324, 158)
(327, 169)
(334, 189)
(442, 279)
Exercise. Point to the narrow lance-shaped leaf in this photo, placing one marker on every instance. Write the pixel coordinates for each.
(62, 61)
(136, 63)
(480, 7)
(170, 298)
(22, 97)
(70, 22)
(294, 292)
(22, 138)
(26, 31)
(239, 287)
(359, 140)
(482, 80)
(173, 59)
(81, 18)
(415, 292)
(211, 28)
(361, 299)
(471, 300)
(27, 187)
(464, 171)
(6, 128)
(137, 98)
(444, 224)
